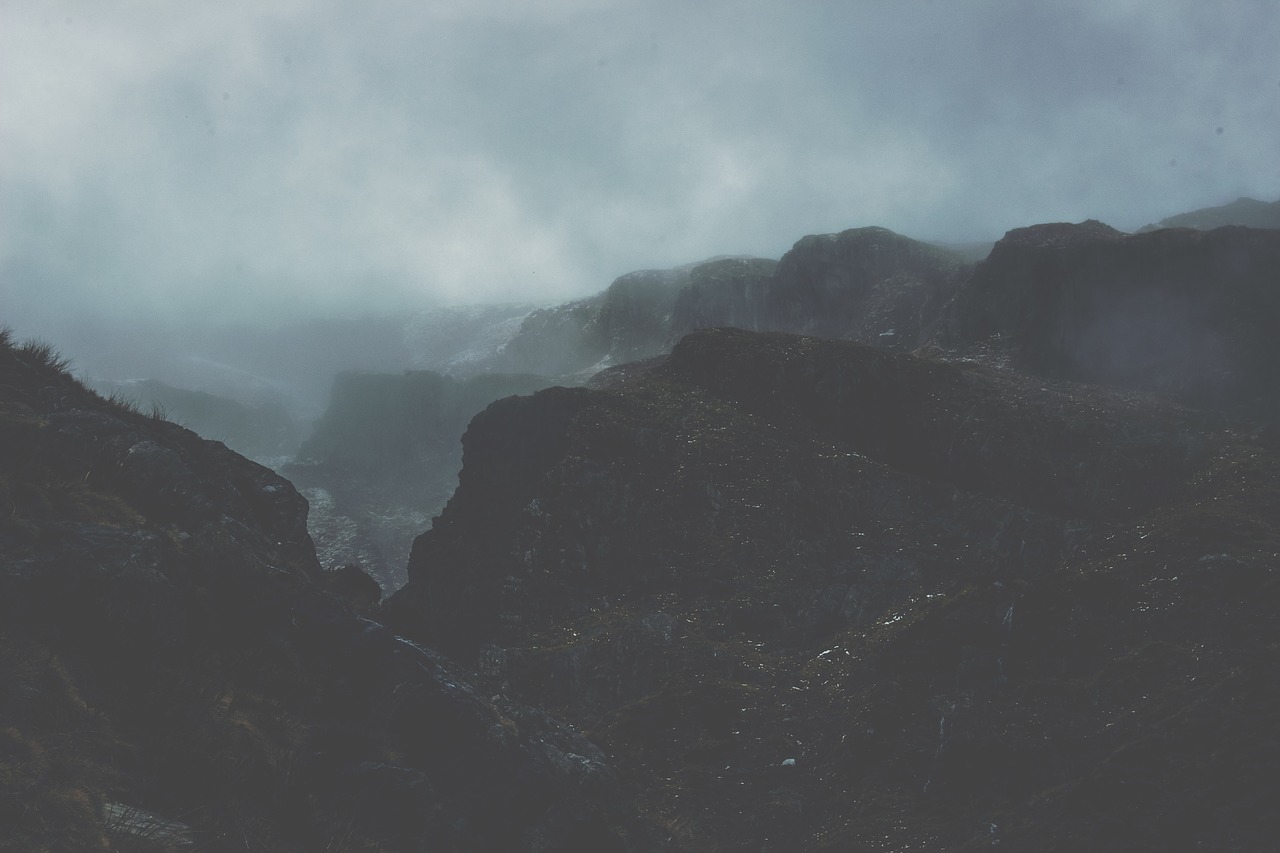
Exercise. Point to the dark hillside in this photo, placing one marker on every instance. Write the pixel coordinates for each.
(814, 596)
(1190, 314)
(175, 673)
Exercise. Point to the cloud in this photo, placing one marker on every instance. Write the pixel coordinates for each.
(311, 157)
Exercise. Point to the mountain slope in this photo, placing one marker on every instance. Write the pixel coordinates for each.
(384, 458)
(865, 284)
(174, 669)
(814, 596)
(1243, 211)
(1191, 314)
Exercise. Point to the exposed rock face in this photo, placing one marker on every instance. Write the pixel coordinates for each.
(815, 596)
(866, 284)
(630, 320)
(618, 456)
(384, 459)
(1187, 313)
(727, 292)
(173, 670)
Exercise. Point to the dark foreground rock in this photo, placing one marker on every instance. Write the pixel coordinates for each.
(175, 674)
(811, 596)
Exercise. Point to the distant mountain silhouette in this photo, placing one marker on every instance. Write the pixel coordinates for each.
(1243, 211)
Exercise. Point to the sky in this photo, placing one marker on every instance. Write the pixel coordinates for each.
(280, 158)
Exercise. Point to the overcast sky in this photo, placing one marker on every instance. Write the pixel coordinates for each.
(311, 157)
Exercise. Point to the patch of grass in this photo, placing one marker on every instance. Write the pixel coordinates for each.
(42, 354)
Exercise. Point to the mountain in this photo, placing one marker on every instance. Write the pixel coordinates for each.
(262, 430)
(1187, 313)
(290, 362)
(627, 321)
(811, 595)
(384, 458)
(987, 555)
(866, 284)
(1184, 313)
(179, 673)
(1243, 211)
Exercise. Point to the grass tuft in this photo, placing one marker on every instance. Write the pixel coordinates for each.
(44, 354)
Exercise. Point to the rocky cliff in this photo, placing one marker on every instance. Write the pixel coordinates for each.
(865, 284)
(384, 458)
(177, 672)
(786, 593)
(629, 320)
(1191, 314)
(814, 596)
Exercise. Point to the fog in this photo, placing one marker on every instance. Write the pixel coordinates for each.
(278, 162)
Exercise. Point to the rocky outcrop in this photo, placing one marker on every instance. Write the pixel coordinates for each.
(641, 460)
(865, 284)
(1186, 313)
(630, 320)
(812, 595)
(174, 670)
(727, 292)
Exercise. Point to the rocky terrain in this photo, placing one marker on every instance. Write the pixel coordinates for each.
(865, 284)
(627, 321)
(177, 672)
(812, 595)
(925, 553)
(1191, 314)
(384, 459)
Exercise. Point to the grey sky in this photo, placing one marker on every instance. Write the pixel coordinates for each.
(306, 156)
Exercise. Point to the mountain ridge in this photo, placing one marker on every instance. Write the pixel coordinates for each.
(1007, 574)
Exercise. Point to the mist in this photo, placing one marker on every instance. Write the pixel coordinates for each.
(285, 161)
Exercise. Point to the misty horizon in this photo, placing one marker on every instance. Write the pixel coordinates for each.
(269, 165)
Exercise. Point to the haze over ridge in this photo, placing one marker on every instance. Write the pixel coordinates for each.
(302, 158)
